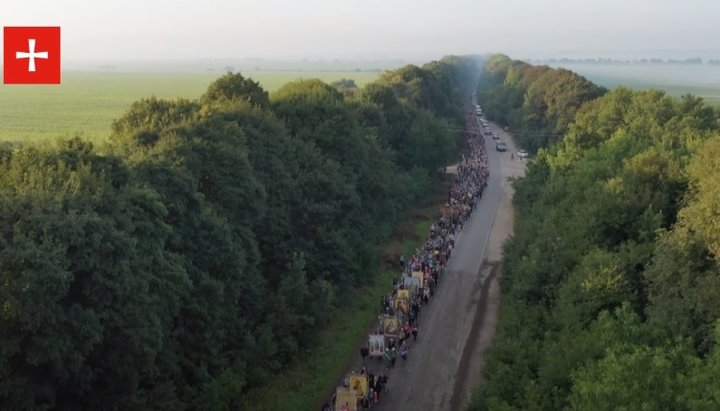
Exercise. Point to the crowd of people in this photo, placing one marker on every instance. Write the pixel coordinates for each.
(398, 323)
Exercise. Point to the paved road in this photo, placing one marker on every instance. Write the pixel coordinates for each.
(444, 364)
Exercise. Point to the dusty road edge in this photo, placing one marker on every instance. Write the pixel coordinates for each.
(488, 297)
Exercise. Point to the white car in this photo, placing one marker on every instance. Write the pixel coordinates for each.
(522, 154)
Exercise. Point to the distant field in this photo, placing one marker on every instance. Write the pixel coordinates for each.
(86, 103)
(700, 80)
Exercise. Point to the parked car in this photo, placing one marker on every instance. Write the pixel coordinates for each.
(522, 154)
(501, 146)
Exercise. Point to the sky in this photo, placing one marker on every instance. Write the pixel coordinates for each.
(157, 30)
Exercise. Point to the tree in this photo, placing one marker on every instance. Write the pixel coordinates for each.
(234, 86)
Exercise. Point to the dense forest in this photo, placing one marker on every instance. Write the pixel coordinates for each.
(611, 282)
(198, 252)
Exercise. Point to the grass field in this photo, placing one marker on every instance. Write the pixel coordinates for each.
(87, 102)
(676, 80)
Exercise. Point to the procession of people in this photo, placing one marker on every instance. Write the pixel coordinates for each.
(399, 319)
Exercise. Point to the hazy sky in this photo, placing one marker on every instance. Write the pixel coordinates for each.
(185, 29)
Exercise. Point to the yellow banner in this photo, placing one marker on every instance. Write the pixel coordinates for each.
(403, 294)
(343, 397)
(359, 384)
(420, 276)
(402, 305)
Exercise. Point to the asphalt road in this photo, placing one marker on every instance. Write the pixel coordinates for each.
(444, 364)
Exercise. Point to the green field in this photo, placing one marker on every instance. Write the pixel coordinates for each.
(87, 102)
(676, 80)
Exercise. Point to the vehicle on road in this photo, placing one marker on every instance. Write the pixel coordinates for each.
(487, 132)
(501, 146)
(522, 154)
(495, 137)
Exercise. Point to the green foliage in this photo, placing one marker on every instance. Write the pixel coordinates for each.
(234, 86)
(205, 249)
(538, 103)
(610, 280)
(86, 103)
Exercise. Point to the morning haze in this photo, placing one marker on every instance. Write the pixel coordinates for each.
(368, 29)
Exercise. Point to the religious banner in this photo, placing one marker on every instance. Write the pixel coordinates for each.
(402, 301)
(401, 305)
(376, 345)
(412, 283)
(345, 399)
(391, 326)
(420, 276)
(359, 384)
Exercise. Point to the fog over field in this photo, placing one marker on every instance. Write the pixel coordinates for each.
(677, 79)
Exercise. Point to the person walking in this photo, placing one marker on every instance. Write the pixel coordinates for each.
(379, 385)
(404, 352)
(387, 357)
(364, 352)
(393, 357)
(415, 331)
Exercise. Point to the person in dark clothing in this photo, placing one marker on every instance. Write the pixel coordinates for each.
(414, 332)
(378, 388)
(364, 352)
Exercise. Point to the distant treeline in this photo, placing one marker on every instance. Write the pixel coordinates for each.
(538, 103)
(611, 282)
(202, 249)
(601, 60)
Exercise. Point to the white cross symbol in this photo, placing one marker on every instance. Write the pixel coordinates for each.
(31, 54)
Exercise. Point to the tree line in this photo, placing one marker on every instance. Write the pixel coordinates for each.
(200, 250)
(611, 282)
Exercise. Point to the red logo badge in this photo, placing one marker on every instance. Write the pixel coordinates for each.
(31, 55)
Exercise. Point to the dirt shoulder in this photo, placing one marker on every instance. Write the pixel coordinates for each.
(488, 308)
